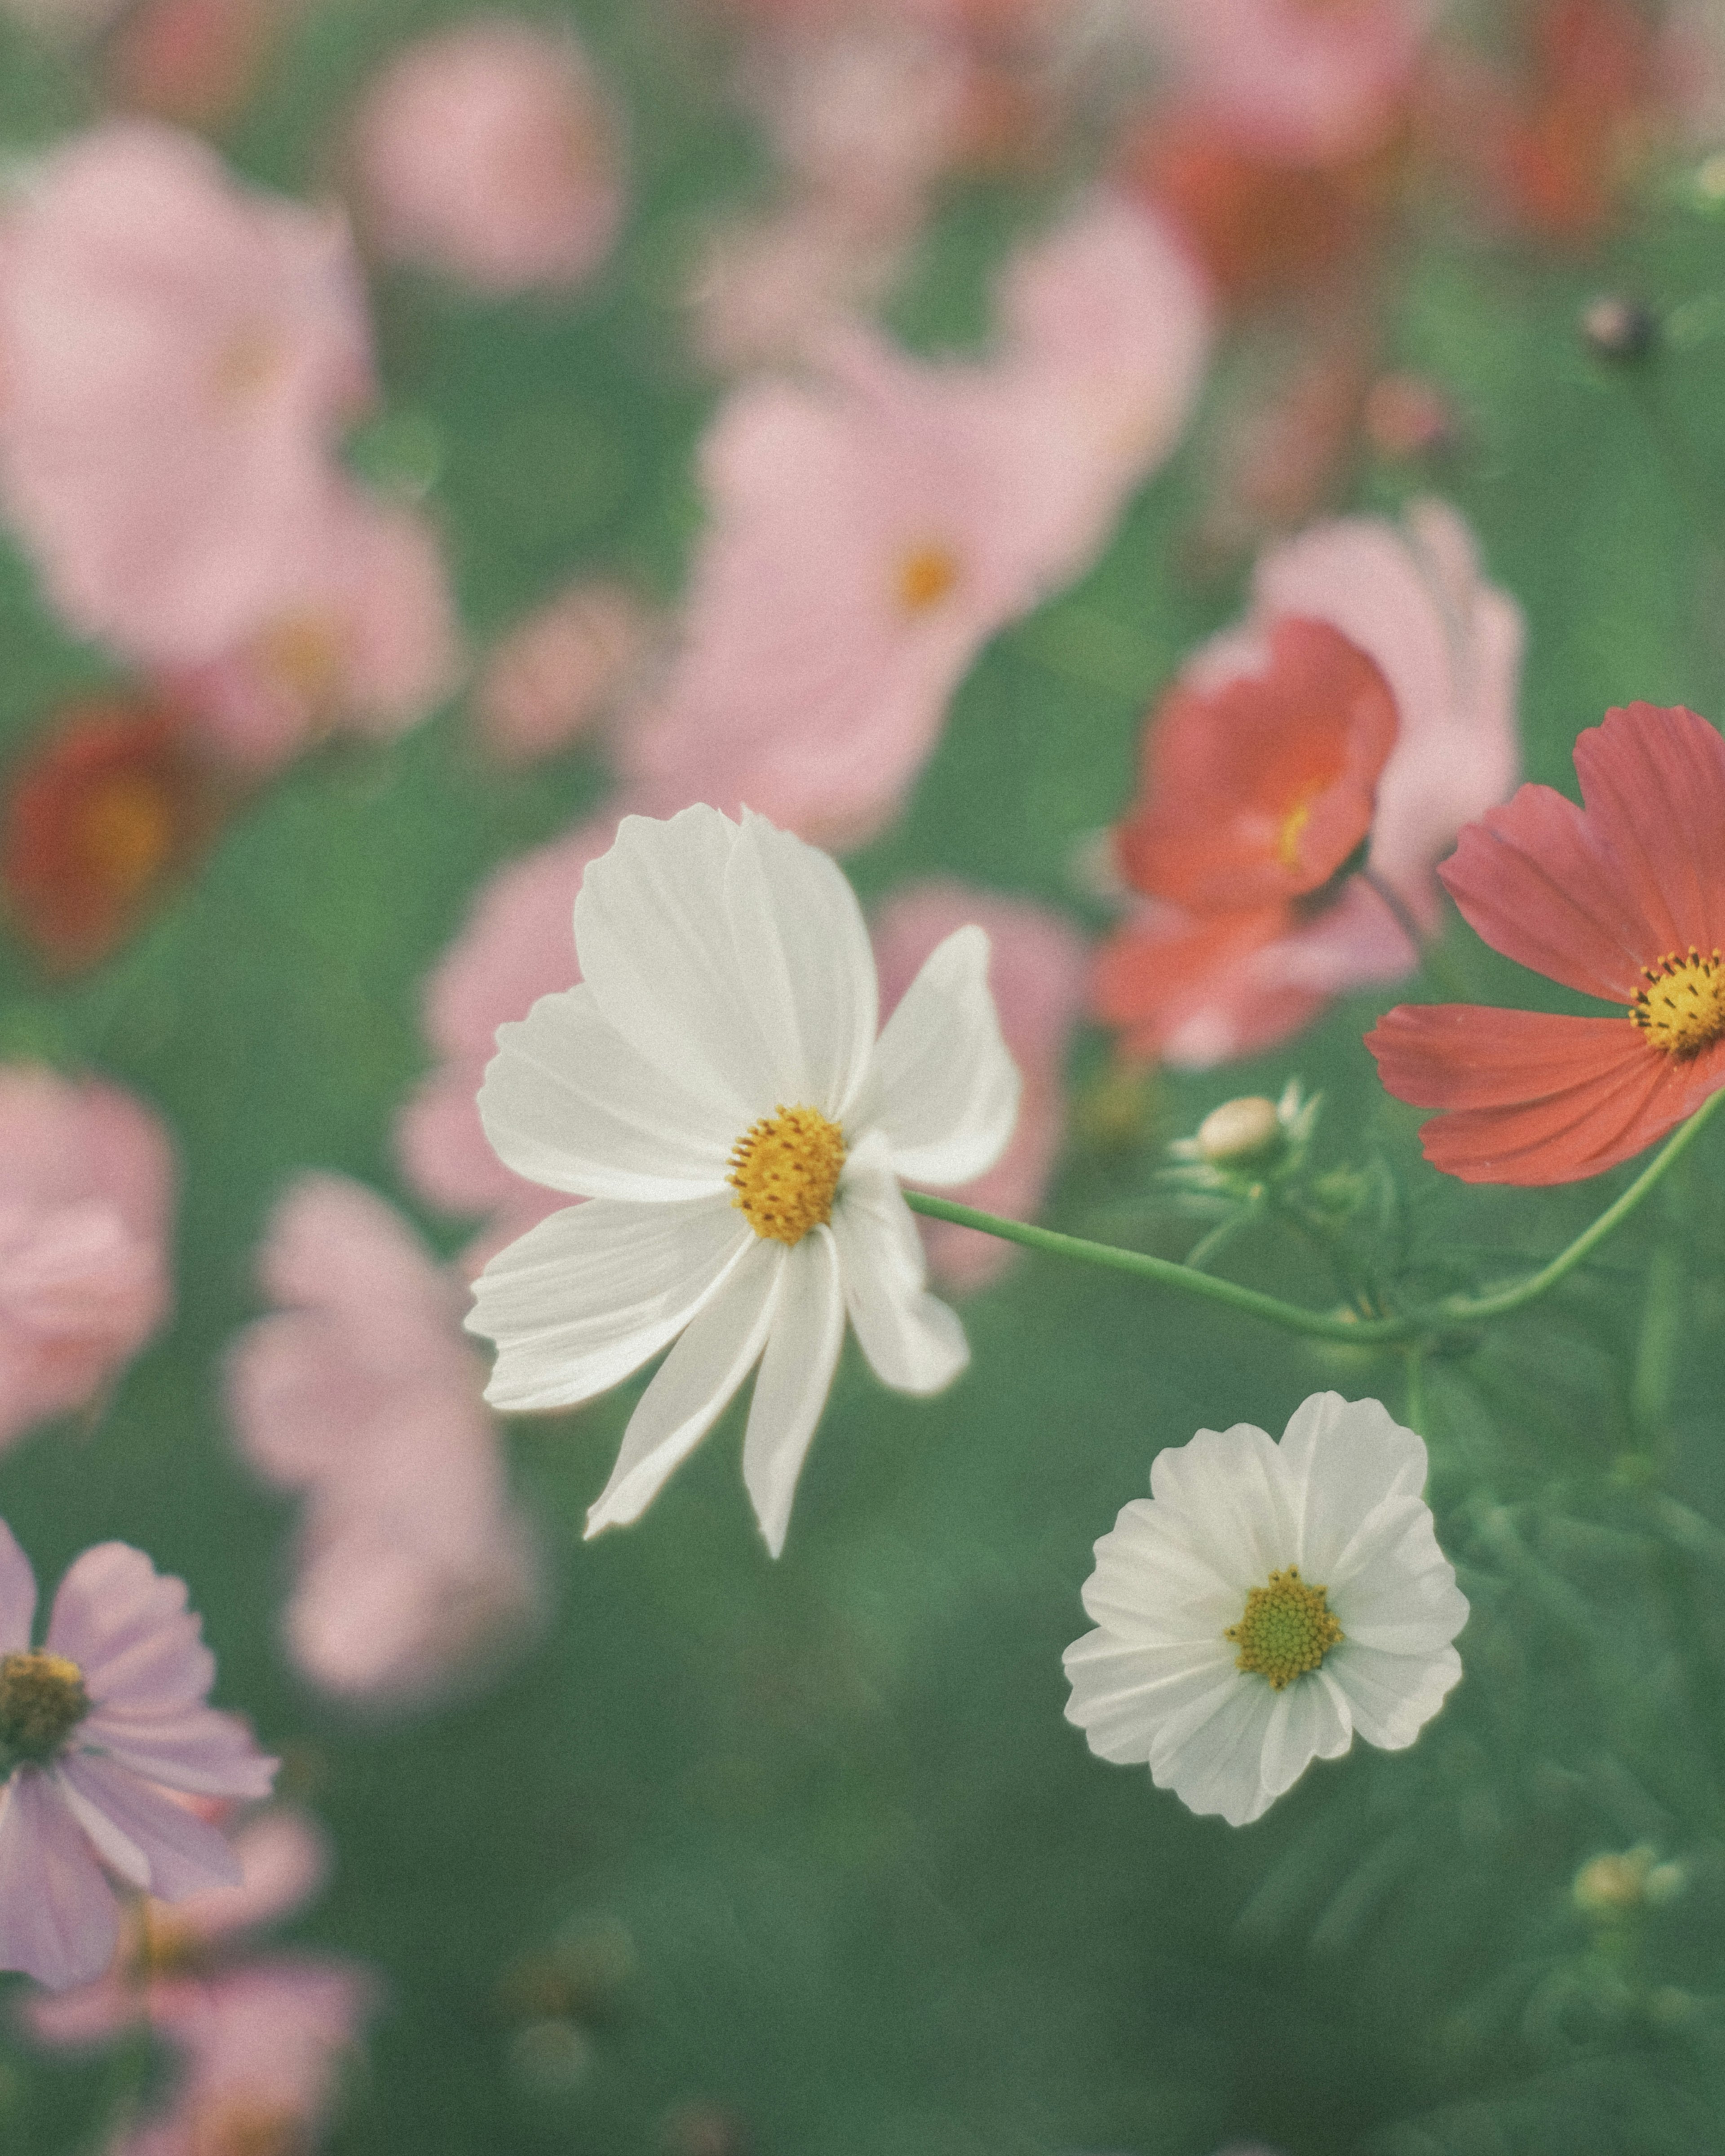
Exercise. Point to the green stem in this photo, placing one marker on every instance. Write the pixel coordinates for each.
(1452, 1311)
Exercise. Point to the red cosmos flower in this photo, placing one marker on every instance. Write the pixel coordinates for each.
(1622, 898)
(1258, 786)
(97, 821)
(1260, 777)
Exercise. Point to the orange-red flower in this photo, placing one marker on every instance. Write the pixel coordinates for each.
(1623, 898)
(1258, 785)
(98, 820)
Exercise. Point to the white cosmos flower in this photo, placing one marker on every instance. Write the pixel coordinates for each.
(1264, 1604)
(715, 1090)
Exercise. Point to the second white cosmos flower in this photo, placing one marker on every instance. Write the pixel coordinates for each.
(715, 1089)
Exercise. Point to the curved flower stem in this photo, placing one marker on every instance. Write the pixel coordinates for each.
(1324, 1325)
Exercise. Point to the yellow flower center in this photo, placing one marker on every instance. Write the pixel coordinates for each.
(42, 1702)
(925, 577)
(1682, 1008)
(1293, 830)
(1285, 1628)
(785, 1171)
(128, 830)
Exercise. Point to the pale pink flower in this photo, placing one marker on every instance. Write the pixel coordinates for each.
(559, 671)
(1036, 976)
(871, 528)
(169, 1956)
(86, 1189)
(361, 636)
(265, 2052)
(1412, 597)
(514, 947)
(1322, 82)
(489, 150)
(361, 1391)
(177, 354)
(96, 1728)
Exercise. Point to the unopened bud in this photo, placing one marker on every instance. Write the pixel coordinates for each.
(1243, 1133)
(1618, 329)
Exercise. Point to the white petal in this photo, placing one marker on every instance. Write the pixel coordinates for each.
(796, 1374)
(945, 1091)
(1217, 1764)
(1226, 1496)
(694, 1385)
(1342, 1459)
(1309, 1720)
(1392, 1697)
(1123, 1693)
(568, 1102)
(808, 966)
(1398, 1590)
(1152, 1588)
(653, 933)
(584, 1298)
(914, 1343)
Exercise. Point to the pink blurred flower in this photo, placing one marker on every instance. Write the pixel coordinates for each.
(772, 291)
(194, 61)
(96, 1728)
(361, 1391)
(177, 354)
(557, 671)
(1322, 82)
(490, 152)
(1198, 988)
(871, 529)
(265, 2051)
(169, 1956)
(1036, 975)
(361, 636)
(86, 1189)
(514, 947)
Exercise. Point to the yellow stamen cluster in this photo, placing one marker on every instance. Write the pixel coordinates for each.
(925, 577)
(42, 1702)
(785, 1171)
(1682, 1008)
(1285, 1628)
(1292, 831)
(128, 830)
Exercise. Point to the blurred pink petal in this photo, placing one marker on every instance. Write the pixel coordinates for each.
(364, 1394)
(86, 1188)
(1323, 82)
(1036, 973)
(772, 291)
(92, 1725)
(364, 636)
(178, 354)
(264, 2046)
(514, 947)
(490, 152)
(871, 529)
(559, 671)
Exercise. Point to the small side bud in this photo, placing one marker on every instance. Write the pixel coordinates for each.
(1243, 1133)
(1619, 330)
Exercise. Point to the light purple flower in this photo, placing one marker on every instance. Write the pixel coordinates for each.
(96, 1728)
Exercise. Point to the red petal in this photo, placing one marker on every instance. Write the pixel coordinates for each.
(1654, 783)
(1539, 1099)
(1467, 1055)
(1536, 879)
(1150, 979)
